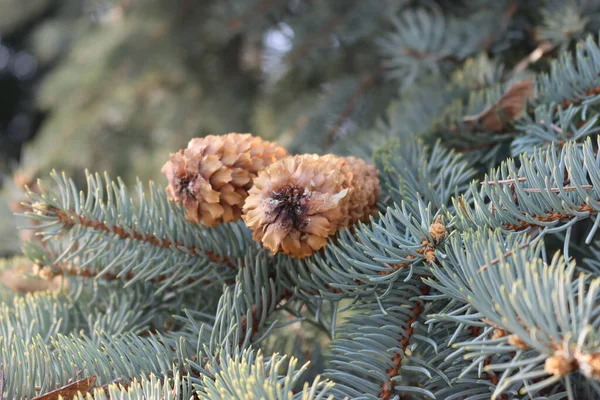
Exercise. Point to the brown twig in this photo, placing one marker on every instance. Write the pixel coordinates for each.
(504, 181)
(386, 388)
(365, 84)
(73, 270)
(257, 311)
(72, 218)
(475, 332)
(326, 29)
(507, 16)
(82, 386)
(543, 48)
(536, 190)
(503, 257)
(549, 217)
(259, 8)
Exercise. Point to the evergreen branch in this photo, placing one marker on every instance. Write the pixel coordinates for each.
(260, 378)
(563, 22)
(70, 218)
(316, 38)
(37, 366)
(412, 115)
(507, 254)
(244, 309)
(450, 375)
(366, 83)
(485, 118)
(424, 40)
(415, 111)
(549, 338)
(541, 199)
(52, 313)
(49, 268)
(572, 79)
(537, 190)
(257, 313)
(260, 8)
(369, 259)
(108, 309)
(106, 232)
(147, 387)
(411, 171)
(387, 388)
(554, 125)
(369, 327)
(490, 376)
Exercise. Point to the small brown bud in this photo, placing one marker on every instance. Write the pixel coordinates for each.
(45, 273)
(427, 251)
(429, 255)
(437, 231)
(517, 342)
(41, 208)
(589, 365)
(559, 364)
(499, 333)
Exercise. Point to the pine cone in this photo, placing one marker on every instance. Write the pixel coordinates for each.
(212, 176)
(298, 202)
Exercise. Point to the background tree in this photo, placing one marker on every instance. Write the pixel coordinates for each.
(478, 277)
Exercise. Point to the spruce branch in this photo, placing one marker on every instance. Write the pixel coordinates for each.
(550, 124)
(261, 377)
(366, 83)
(563, 22)
(412, 171)
(51, 313)
(36, 364)
(318, 36)
(546, 340)
(542, 199)
(476, 332)
(415, 111)
(424, 40)
(80, 308)
(572, 79)
(386, 335)
(70, 218)
(107, 232)
(259, 9)
(387, 388)
(363, 262)
(148, 386)
(81, 386)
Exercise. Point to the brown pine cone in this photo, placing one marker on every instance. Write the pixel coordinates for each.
(211, 177)
(298, 202)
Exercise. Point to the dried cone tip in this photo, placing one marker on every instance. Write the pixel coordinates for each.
(211, 177)
(559, 364)
(298, 202)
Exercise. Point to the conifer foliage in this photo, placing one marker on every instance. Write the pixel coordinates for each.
(432, 233)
